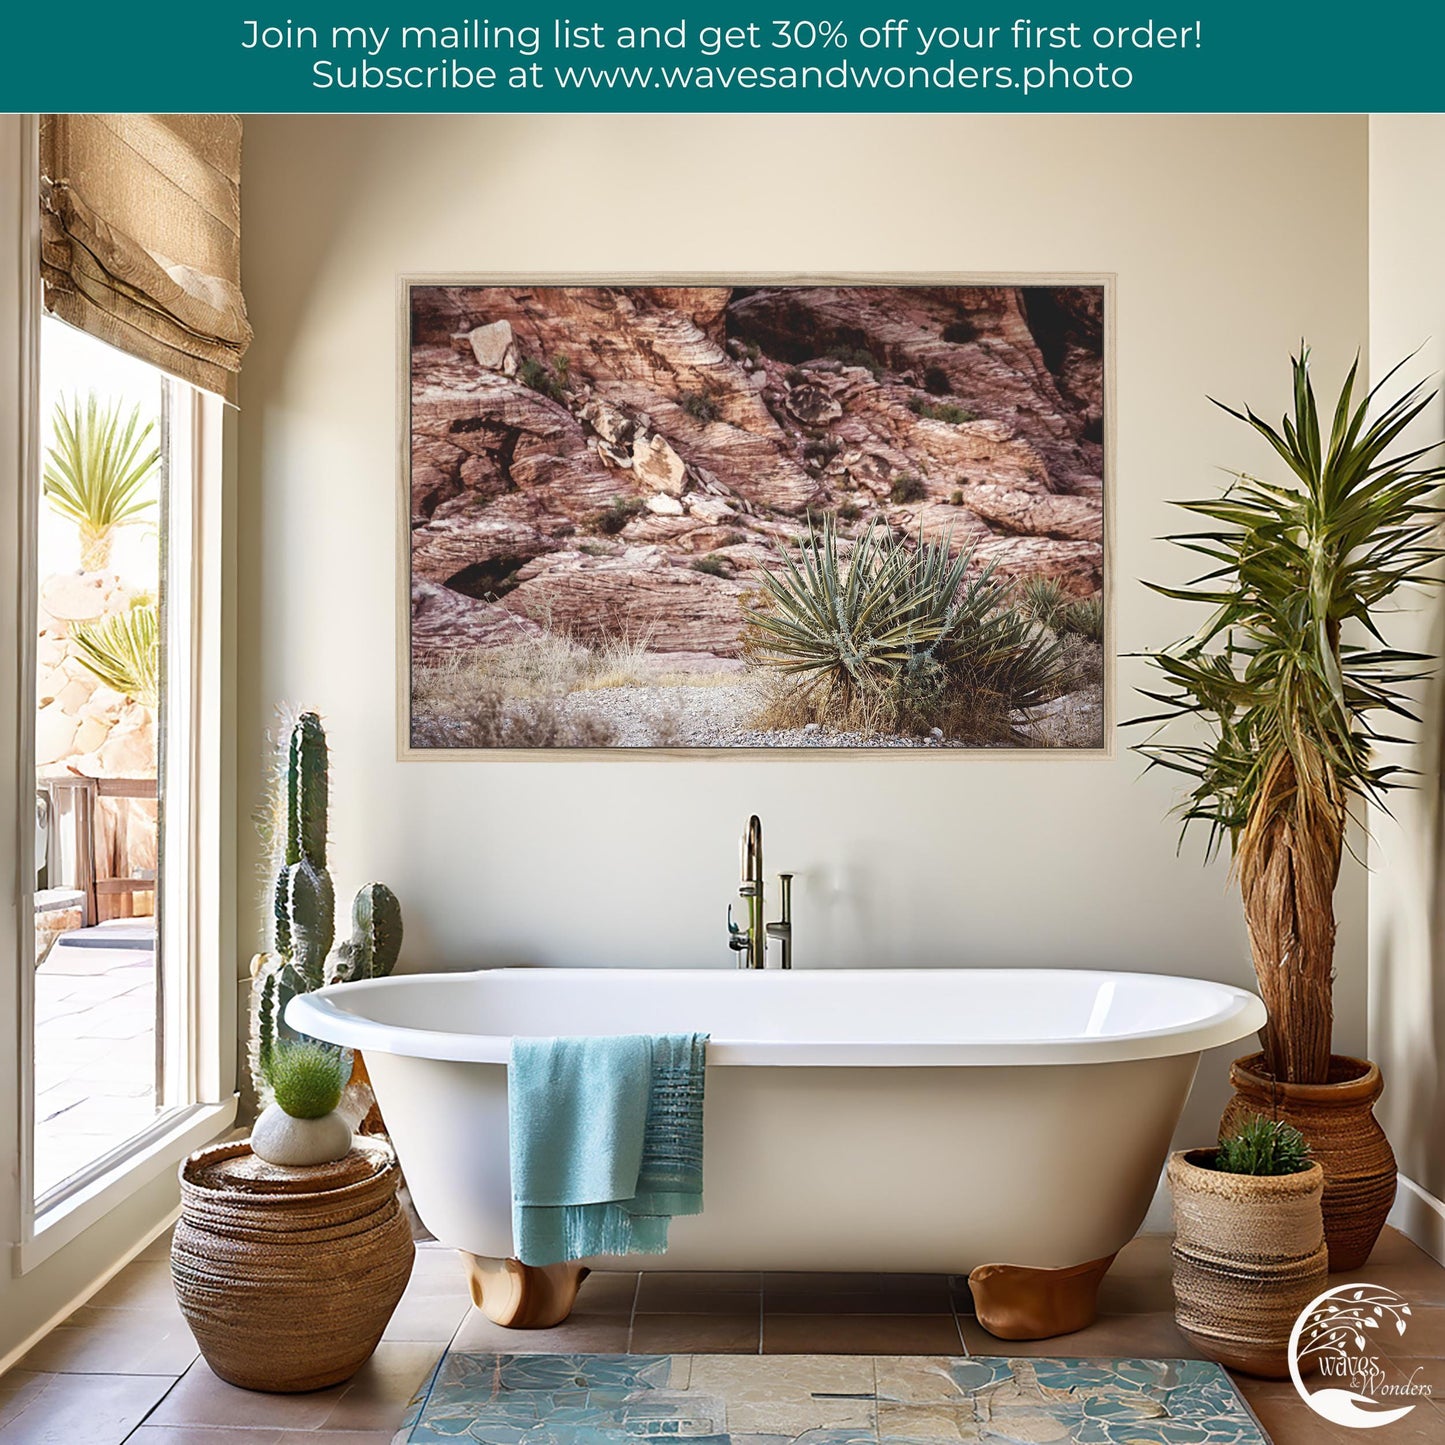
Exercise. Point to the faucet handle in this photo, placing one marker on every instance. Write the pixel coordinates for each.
(737, 937)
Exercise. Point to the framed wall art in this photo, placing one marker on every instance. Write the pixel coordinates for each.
(853, 513)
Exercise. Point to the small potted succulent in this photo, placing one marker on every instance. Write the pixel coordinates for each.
(1249, 1243)
(301, 1125)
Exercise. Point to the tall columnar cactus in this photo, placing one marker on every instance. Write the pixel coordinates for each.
(303, 901)
(375, 942)
(305, 904)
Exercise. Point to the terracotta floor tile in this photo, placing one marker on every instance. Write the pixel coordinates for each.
(241, 1435)
(437, 1271)
(852, 1334)
(1141, 1294)
(793, 1294)
(151, 1341)
(427, 1317)
(200, 1398)
(1420, 1370)
(609, 1292)
(95, 1409)
(696, 1334)
(375, 1398)
(835, 1282)
(142, 1283)
(1401, 1265)
(1424, 1335)
(209, 1435)
(699, 1292)
(1142, 1335)
(602, 1334)
(329, 1437)
(17, 1388)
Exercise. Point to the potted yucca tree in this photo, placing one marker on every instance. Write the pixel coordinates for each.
(1282, 695)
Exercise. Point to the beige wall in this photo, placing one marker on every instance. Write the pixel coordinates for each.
(1407, 883)
(1213, 227)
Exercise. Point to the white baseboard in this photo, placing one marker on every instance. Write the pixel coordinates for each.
(104, 1278)
(1419, 1216)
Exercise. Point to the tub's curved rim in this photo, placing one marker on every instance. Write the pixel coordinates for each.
(1240, 1014)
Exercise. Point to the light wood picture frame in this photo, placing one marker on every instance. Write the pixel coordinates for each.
(598, 472)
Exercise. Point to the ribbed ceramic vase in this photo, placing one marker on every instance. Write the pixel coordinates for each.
(1249, 1255)
(1337, 1118)
(288, 1276)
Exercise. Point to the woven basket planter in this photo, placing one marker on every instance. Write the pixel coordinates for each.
(287, 1277)
(1249, 1255)
(1344, 1137)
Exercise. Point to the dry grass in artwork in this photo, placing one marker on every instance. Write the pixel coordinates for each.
(463, 703)
(551, 664)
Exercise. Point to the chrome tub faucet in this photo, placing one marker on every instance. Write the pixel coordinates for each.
(751, 943)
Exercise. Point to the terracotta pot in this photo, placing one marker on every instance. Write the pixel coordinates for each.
(1337, 1119)
(287, 1277)
(1249, 1255)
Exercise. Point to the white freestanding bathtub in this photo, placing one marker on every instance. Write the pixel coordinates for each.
(885, 1120)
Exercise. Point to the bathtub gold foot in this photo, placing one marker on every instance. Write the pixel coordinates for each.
(1018, 1303)
(522, 1296)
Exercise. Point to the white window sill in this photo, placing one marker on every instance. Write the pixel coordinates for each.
(159, 1154)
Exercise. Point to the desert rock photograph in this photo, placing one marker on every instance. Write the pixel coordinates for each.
(840, 516)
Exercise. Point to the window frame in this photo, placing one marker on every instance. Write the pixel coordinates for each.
(195, 950)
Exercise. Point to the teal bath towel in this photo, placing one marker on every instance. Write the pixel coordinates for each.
(606, 1143)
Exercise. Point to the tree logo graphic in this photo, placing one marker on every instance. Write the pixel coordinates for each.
(1337, 1340)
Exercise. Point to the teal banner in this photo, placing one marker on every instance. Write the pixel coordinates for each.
(855, 55)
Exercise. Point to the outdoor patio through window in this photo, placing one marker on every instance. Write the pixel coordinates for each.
(100, 676)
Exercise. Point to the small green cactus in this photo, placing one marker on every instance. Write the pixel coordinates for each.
(375, 942)
(306, 1077)
(1263, 1146)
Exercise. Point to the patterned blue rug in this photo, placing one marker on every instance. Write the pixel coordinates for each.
(824, 1400)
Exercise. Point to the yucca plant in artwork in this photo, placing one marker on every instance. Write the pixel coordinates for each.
(96, 469)
(123, 651)
(879, 634)
(1292, 679)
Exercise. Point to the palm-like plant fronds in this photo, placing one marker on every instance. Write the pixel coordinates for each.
(1293, 679)
(1086, 618)
(895, 627)
(1044, 600)
(95, 469)
(123, 651)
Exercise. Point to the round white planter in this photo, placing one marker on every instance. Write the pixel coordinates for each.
(279, 1139)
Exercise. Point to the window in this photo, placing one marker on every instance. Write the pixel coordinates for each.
(115, 1042)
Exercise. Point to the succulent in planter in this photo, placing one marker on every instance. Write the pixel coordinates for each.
(301, 1126)
(1280, 698)
(1249, 1246)
(1262, 1146)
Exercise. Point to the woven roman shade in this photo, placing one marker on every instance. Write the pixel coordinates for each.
(141, 241)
